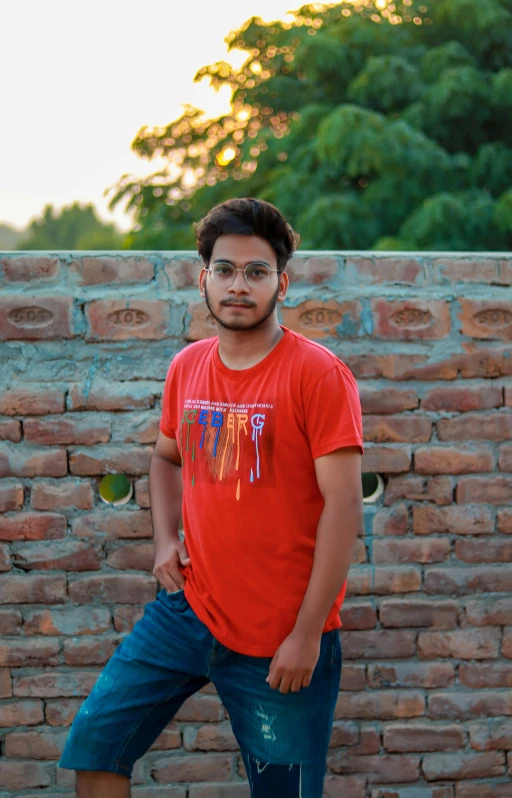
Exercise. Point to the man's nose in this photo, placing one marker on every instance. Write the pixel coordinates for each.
(239, 283)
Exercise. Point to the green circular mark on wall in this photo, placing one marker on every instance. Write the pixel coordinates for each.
(115, 489)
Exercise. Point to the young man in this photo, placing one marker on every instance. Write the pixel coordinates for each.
(260, 452)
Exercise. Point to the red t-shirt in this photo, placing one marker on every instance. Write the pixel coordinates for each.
(251, 502)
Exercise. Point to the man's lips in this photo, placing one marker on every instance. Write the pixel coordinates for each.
(236, 305)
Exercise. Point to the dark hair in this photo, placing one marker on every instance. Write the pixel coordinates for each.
(248, 217)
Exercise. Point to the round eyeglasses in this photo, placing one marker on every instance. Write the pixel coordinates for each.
(255, 274)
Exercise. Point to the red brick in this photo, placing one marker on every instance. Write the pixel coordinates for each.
(33, 589)
(168, 792)
(22, 775)
(90, 650)
(125, 319)
(70, 429)
(336, 786)
(383, 579)
(386, 460)
(5, 683)
(411, 674)
(33, 526)
(405, 366)
(385, 269)
(353, 677)
(68, 621)
(463, 399)
(380, 705)
(508, 397)
(211, 737)
(410, 318)
(10, 622)
(100, 270)
(201, 323)
(34, 745)
(454, 520)
(358, 615)
(95, 460)
(5, 558)
(168, 739)
(488, 550)
(397, 429)
(460, 643)
(410, 737)
(21, 713)
(142, 427)
(382, 768)
(410, 550)
(455, 270)
(26, 268)
(481, 361)
(28, 653)
(504, 523)
(319, 319)
(103, 396)
(485, 674)
(476, 427)
(359, 551)
(62, 495)
(53, 685)
(491, 735)
(142, 492)
(392, 400)
(18, 460)
(31, 400)
(65, 555)
(418, 613)
(314, 269)
(378, 643)
(494, 490)
(468, 579)
(505, 462)
(10, 430)
(432, 791)
(394, 521)
(488, 611)
(462, 459)
(11, 495)
(239, 789)
(507, 642)
(415, 488)
(486, 318)
(466, 706)
(463, 766)
(62, 711)
(125, 618)
(195, 767)
(114, 525)
(200, 709)
(137, 556)
(369, 740)
(344, 733)
(183, 272)
(115, 588)
(473, 789)
(26, 318)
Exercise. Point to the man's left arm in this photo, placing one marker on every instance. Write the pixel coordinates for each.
(339, 480)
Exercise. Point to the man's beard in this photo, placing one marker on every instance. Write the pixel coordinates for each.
(240, 326)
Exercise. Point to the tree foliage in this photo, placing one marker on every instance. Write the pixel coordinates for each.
(74, 227)
(384, 125)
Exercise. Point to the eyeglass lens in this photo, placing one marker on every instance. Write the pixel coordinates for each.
(255, 273)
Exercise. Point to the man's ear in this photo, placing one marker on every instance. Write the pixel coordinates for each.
(284, 282)
(203, 274)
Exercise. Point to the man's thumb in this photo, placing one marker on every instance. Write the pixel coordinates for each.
(182, 551)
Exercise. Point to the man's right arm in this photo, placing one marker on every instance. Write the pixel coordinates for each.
(165, 493)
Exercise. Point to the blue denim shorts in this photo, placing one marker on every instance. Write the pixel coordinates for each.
(169, 655)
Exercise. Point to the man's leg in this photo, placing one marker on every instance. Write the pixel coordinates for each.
(151, 673)
(283, 737)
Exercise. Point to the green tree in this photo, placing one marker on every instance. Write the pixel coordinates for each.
(384, 125)
(73, 227)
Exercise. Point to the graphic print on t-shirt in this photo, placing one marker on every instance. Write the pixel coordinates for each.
(228, 443)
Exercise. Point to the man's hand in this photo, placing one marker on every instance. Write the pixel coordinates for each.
(294, 662)
(170, 555)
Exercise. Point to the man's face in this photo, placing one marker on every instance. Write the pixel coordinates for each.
(238, 305)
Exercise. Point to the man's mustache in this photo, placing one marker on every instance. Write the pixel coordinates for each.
(237, 302)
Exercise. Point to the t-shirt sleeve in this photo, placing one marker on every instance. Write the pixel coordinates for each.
(333, 412)
(168, 421)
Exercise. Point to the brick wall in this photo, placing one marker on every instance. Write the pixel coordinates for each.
(425, 702)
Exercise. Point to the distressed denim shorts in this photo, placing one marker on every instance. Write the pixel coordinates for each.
(169, 655)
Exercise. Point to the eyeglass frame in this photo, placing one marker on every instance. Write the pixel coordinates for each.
(240, 269)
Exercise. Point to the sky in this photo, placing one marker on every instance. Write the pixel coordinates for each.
(78, 80)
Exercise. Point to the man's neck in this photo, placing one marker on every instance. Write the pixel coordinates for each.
(242, 349)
